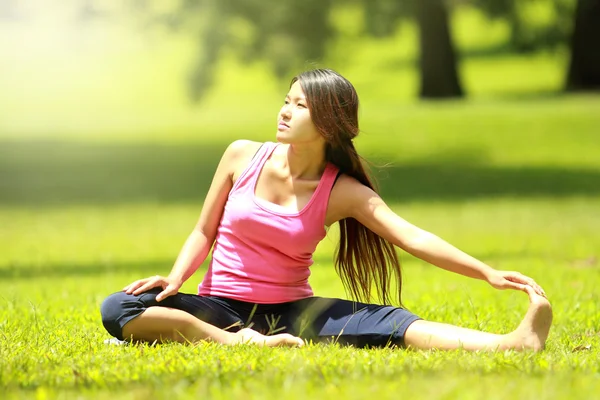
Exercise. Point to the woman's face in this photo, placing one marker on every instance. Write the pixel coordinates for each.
(294, 124)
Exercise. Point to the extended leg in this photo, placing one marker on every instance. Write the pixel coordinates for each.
(530, 335)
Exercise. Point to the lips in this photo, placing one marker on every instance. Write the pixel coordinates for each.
(282, 125)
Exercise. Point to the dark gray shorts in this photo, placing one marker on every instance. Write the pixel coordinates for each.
(314, 318)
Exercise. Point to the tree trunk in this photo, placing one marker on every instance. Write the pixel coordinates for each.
(439, 77)
(584, 71)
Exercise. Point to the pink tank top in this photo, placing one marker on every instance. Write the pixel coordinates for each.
(262, 252)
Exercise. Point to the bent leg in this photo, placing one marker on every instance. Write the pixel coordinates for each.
(530, 335)
(170, 324)
(183, 318)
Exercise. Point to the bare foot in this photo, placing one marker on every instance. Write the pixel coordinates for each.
(533, 330)
(248, 335)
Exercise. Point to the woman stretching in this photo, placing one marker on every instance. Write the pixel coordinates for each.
(267, 209)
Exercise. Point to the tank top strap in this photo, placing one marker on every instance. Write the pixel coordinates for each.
(329, 177)
(321, 197)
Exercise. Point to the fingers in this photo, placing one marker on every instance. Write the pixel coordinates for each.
(170, 290)
(525, 280)
(134, 285)
(538, 289)
(529, 281)
(143, 285)
(151, 283)
(514, 285)
(530, 291)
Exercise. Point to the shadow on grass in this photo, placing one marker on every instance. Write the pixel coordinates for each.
(144, 268)
(140, 268)
(439, 182)
(63, 270)
(39, 174)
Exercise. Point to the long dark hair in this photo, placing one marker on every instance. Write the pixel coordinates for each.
(363, 259)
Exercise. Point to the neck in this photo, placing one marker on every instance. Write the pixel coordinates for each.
(305, 161)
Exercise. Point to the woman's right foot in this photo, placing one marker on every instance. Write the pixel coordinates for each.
(533, 330)
(248, 335)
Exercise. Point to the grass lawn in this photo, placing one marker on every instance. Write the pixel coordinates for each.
(104, 167)
(516, 184)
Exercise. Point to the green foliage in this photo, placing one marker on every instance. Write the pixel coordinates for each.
(535, 24)
(287, 34)
(383, 16)
(290, 36)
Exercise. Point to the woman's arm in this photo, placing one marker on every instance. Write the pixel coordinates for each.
(198, 244)
(363, 204)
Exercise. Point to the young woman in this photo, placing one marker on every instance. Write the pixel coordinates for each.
(265, 213)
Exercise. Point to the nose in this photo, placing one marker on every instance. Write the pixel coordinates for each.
(285, 113)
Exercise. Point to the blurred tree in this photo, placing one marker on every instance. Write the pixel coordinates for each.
(584, 69)
(288, 34)
(285, 33)
(534, 24)
(573, 22)
(437, 62)
(437, 58)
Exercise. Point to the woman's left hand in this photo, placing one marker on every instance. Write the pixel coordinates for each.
(513, 280)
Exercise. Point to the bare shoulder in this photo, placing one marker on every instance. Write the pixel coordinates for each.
(348, 197)
(238, 154)
(241, 148)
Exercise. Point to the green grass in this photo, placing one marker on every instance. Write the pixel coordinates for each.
(515, 184)
(101, 184)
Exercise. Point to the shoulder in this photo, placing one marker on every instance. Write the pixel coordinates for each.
(239, 151)
(350, 197)
(347, 183)
(241, 148)
(238, 155)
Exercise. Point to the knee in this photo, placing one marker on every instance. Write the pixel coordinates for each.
(112, 310)
(119, 308)
(111, 306)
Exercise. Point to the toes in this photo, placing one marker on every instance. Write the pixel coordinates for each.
(283, 339)
(286, 339)
(296, 341)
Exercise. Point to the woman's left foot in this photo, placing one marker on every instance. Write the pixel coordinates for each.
(248, 335)
(533, 330)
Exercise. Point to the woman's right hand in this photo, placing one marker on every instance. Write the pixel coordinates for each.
(169, 286)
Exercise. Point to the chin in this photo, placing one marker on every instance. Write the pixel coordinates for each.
(281, 138)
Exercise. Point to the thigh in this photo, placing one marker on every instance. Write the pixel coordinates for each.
(351, 323)
(120, 308)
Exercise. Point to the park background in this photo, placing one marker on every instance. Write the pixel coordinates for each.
(114, 114)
